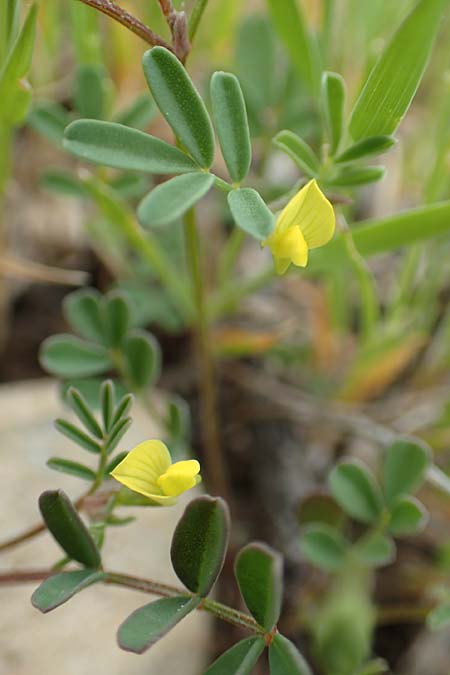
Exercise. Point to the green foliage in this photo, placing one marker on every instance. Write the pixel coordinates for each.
(239, 659)
(324, 546)
(59, 588)
(180, 104)
(256, 61)
(285, 659)
(170, 200)
(230, 118)
(142, 359)
(356, 491)
(374, 145)
(291, 25)
(259, 572)
(68, 356)
(390, 87)
(122, 147)
(405, 464)
(91, 91)
(150, 623)
(408, 516)
(376, 550)
(71, 468)
(250, 212)
(200, 543)
(77, 436)
(439, 617)
(333, 108)
(299, 151)
(68, 529)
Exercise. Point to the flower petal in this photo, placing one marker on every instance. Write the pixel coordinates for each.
(142, 467)
(316, 217)
(179, 477)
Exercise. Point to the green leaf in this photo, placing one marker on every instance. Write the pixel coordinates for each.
(230, 118)
(107, 404)
(374, 145)
(117, 432)
(91, 91)
(14, 90)
(259, 572)
(121, 147)
(116, 318)
(408, 517)
(180, 103)
(250, 212)
(139, 114)
(49, 119)
(299, 151)
(405, 464)
(291, 25)
(71, 468)
(354, 176)
(439, 617)
(59, 588)
(115, 461)
(77, 436)
(122, 408)
(170, 200)
(200, 542)
(151, 622)
(381, 235)
(320, 508)
(256, 60)
(376, 551)
(68, 529)
(324, 546)
(393, 81)
(239, 659)
(355, 489)
(82, 310)
(82, 410)
(68, 356)
(285, 659)
(333, 107)
(143, 359)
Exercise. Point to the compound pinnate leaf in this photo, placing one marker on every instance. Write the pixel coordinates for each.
(356, 491)
(82, 410)
(68, 529)
(285, 659)
(239, 659)
(259, 572)
(200, 543)
(68, 356)
(250, 212)
(59, 588)
(404, 468)
(148, 624)
(230, 117)
(78, 436)
(122, 147)
(170, 200)
(180, 103)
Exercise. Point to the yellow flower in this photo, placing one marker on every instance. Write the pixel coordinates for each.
(307, 221)
(148, 469)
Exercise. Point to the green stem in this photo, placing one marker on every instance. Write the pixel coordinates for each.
(215, 467)
(196, 17)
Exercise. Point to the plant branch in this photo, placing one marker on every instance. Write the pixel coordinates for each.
(128, 20)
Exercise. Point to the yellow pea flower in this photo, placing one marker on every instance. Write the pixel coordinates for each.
(148, 469)
(307, 221)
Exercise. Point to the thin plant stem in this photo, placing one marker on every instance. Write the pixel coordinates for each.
(149, 586)
(215, 467)
(128, 20)
(230, 254)
(196, 17)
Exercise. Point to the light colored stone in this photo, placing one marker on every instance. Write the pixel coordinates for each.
(79, 637)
